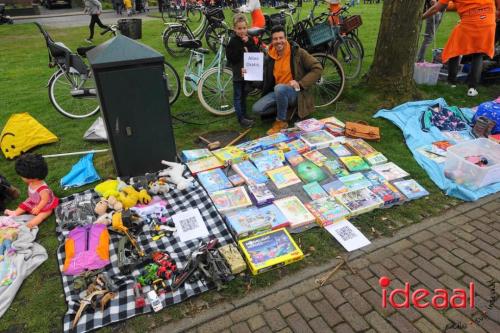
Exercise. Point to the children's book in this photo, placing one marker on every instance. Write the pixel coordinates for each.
(340, 150)
(269, 152)
(230, 153)
(267, 162)
(335, 168)
(273, 139)
(194, 154)
(429, 151)
(298, 145)
(247, 222)
(355, 181)
(327, 210)
(374, 177)
(318, 139)
(232, 198)
(316, 157)
(347, 235)
(310, 172)
(309, 125)
(293, 157)
(204, 164)
(388, 193)
(314, 191)
(390, 171)
(354, 163)
(411, 189)
(250, 147)
(274, 216)
(214, 180)
(260, 194)
(295, 212)
(335, 188)
(375, 158)
(333, 120)
(270, 250)
(236, 180)
(444, 145)
(249, 173)
(360, 147)
(283, 177)
(457, 136)
(283, 146)
(360, 201)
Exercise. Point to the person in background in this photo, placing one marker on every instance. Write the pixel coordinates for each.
(94, 9)
(334, 8)
(431, 26)
(253, 7)
(474, 35)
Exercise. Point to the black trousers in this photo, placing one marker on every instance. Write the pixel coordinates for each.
(475, 71)
(93, 20)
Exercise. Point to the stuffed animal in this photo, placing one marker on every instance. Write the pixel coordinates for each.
(124, 198)
(174, 175)
(159, 186)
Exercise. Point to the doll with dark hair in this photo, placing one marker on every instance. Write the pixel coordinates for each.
(41, 200)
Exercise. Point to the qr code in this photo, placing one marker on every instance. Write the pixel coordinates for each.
(189, 224)
(346, 233)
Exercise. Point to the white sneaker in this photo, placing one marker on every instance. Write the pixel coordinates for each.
(472, 92)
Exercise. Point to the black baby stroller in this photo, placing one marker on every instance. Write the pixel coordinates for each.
(4, 19)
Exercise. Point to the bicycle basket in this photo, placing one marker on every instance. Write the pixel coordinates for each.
(215, 14)
(321, 33)
(350, 23)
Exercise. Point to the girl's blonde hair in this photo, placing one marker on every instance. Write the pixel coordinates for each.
(238, 18)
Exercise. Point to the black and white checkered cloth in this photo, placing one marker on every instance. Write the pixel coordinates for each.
(123, 305)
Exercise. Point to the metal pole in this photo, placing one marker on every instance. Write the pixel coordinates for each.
(77, 153)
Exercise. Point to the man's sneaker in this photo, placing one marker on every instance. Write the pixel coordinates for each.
(245, 122)
(278, 125)
(88, 40)
(472, 92)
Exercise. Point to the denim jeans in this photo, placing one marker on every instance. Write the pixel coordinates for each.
(431, 26)
(277, 101)
(239, 99)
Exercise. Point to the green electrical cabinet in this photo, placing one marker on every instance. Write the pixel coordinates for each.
(133, 95)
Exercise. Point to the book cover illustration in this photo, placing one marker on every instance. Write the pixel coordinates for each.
(248, 221)
(270, 250)
(250, 147)
(273, 139)
(444, 144)
(204, 164)
(275, 216)
(327, 210)
(390, 171)
(214, 180)
(314, 191)
(316, 157)
(295, 212)
(333, 120)
(354, 163)
(309, 125)
(294, 158)
(388, 193)
(232, 198)
(249, 173)
(375, 158)
(283, 177)
(230, 153)
(236, 180)
(360, 147)
(335, 168)
(335, 188)
(411, 189)
(347, 235)
(269, 152)
(283, 146)
(360, 201)
(298, 145)
(310, 172)
(267, 162)
(429, 151)
(374, 177)
(194, 154)
(355, 181)
(340, 150)
(260, 194)
(318, 139)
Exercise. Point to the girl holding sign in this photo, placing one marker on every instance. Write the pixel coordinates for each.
(237, 46)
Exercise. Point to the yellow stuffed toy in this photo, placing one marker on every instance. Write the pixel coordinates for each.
(117, 190)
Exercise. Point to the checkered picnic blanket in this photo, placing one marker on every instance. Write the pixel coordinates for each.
(76, 207)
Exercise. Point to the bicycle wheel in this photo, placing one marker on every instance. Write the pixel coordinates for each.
(348, 53)
(215, 91)
(213, 34)
(188, 85)
(173, 82)
(354, 35)
(194, 14)
(171, 37)
(331, 84)
(73, 96)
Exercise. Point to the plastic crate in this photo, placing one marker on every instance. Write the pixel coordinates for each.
(350, 23)
(426, 73)
(321, 33)
(467, 173)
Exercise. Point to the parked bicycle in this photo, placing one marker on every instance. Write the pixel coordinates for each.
(172, 10)
(72, 89)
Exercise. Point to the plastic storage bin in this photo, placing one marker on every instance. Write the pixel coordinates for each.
(426, 73)
(469, 174)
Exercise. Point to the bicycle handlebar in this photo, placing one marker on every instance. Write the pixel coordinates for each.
(111, 28)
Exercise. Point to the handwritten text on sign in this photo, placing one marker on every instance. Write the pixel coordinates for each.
(253, 62)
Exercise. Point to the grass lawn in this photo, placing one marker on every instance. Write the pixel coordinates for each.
(39, 305)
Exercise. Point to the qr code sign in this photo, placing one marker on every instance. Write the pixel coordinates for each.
(346, 233)
(189, 224)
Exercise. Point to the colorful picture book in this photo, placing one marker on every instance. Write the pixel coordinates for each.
(194, 154)
(410, 188)
(267, 162)
(271, 140)
(318, 139)
(230, 153)
(246, 222)
(232, 198)
(283, 177)
(327, 210)
(355, 181)
(214, 180)
(360, 147)
(204, 164)
(310, 172)
(250, 147)
(332, 120)
(458, 136)
(374, 177)
(260, 194)
(339, 150)
(431, 153)
(316, 157)
(390, 171)
(236, 180)
(354, 163)
(347, 235)
(335, 188)
(298, 145)
(360, 201)
(249, 173)
(295, 212)
(269, 152)
(388, 193)
(293, 157)
(335, 168)
(314, 191)
(270, 250)
(309, 125)
(275, 216)
(375, 158)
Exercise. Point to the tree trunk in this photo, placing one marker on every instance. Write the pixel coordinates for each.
(394, 58)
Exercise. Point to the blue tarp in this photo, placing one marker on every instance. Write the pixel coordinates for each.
(83, 172)
(407, 118)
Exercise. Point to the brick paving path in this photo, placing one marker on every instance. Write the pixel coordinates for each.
(447, 252)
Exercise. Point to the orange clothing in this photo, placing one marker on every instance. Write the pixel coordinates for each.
(282, 71)
(475, 33)
(334, 7)
(258, 20)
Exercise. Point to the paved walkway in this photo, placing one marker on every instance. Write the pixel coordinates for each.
(449, 251)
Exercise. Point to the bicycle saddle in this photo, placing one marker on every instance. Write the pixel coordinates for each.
(256, 32)
(82, 51)
(189, 43)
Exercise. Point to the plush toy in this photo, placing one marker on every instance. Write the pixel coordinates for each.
(174, 175)
(110, 187)
(115, 194)
(159, 186)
